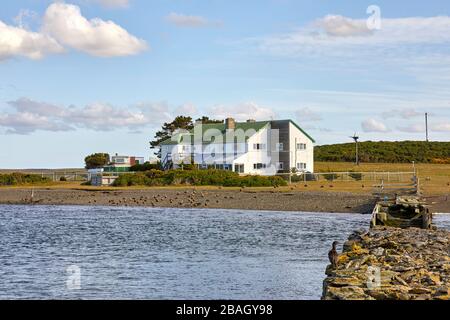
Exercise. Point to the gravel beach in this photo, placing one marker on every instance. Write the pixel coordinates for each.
(308, 201)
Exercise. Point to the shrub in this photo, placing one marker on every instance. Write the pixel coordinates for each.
(63, 179)
(331, 176)
(21, 179)
(196, 178)
(356, 175)
(145, 167)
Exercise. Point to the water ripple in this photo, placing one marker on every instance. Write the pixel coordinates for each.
(145, 253)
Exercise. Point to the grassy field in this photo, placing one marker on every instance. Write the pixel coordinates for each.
(435, 179)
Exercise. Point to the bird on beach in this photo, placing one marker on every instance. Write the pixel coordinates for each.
(333, 255)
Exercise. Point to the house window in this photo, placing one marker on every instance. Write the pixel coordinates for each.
(301, 146)
(280, 165)
(301, 166)
(280, 146)
(259, 146)
(259, 166)
(239, 168)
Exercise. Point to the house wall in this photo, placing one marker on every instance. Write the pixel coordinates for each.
(300, 156)
(252, 156)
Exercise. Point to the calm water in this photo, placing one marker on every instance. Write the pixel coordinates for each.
(140, 253)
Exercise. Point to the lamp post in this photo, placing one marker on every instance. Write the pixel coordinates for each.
(356, 138)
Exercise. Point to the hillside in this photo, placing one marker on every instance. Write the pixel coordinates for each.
(386, 152)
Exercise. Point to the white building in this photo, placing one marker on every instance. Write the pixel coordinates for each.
(252, 147)
(126, 160)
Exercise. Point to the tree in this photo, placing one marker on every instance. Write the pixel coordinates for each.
(180, 122)
(207, 120)
(96, 160)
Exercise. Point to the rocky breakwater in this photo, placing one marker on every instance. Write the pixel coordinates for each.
(386, 263)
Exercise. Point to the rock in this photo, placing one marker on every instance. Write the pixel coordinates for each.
(347, 293)
(378, 251)
(433, 279)
(345, 281)
(391, 264)
(419, 291)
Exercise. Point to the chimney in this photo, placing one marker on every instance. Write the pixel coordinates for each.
(230, 124)
(251, 120)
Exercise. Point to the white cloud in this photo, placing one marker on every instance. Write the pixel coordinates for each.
(242, 112)
(29, 116)
(306, 114)
(407, 113)
(25, 122)
(63, 25)
(373, 125)
(104, 117)
(17, 41)
(339, 26)
(339, 35)
(182, 20)
(25, 105)
(96, 37)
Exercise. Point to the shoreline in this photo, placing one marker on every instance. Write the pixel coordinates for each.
(265, 200)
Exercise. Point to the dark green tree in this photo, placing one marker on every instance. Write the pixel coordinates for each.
(180, 122)
(207, 120)
(96, 160)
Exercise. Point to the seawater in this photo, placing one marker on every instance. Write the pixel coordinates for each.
(82, 252)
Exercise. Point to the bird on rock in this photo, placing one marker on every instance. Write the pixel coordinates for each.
(333, 255)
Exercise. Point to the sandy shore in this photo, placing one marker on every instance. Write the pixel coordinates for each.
(272, 200)
(308, 201)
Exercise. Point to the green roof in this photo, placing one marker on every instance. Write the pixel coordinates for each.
(244, 126)
(297, 126)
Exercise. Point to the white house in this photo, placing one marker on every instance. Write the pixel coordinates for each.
(251, 147)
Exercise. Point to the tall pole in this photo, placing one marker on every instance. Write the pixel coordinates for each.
(357, 154)
(426, 125)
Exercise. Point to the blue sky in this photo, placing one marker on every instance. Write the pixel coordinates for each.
(85, 76)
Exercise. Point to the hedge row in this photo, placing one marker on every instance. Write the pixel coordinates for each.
(21, 178)
(196, 178)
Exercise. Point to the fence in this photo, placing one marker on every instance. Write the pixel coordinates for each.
(385, 177)
(62, 175)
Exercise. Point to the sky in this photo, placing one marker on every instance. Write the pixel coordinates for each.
(85, 76)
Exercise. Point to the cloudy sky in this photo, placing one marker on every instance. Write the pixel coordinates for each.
(84, 76)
